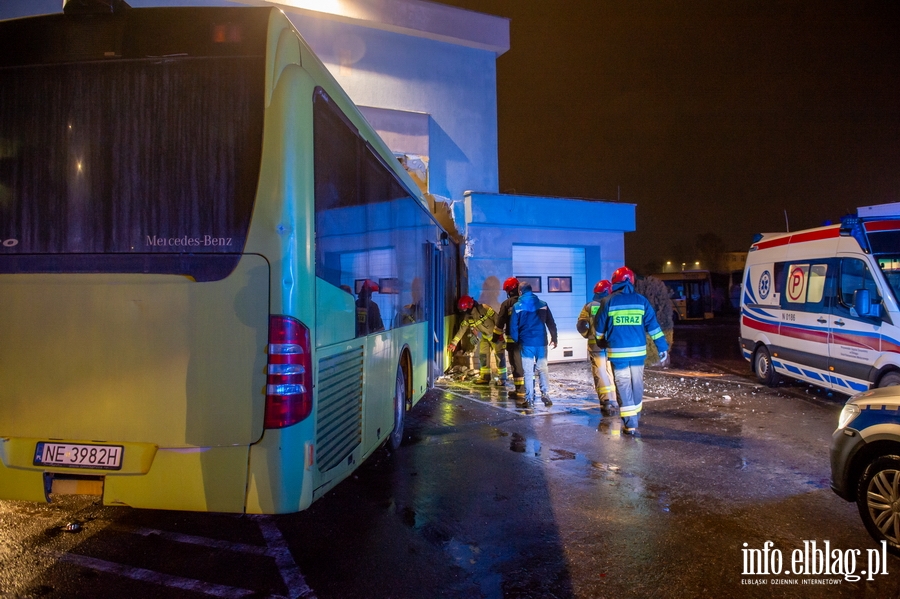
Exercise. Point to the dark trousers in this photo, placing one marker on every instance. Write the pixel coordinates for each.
(515, 363)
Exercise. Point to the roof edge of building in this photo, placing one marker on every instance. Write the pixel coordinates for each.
(418, 18)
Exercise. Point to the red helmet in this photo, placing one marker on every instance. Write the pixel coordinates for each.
(603, 286)
(623, 273)
(511, 284)
(465, 303)
(369, 286)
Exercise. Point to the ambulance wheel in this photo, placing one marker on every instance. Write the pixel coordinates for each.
(891, 379)
(399, 409)
(762, 365)
(877, 498)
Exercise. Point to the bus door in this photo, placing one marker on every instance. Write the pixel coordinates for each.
(693, 299)
(435, 290)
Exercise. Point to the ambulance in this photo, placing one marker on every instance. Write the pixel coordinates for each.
(821, 305)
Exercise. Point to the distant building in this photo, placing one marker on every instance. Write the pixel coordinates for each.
(734, 261)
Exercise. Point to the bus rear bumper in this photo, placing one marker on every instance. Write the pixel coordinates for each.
(191, 479)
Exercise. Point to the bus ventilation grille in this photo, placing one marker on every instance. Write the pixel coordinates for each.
(340, 407)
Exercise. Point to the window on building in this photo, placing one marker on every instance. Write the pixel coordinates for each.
(559, 284)
(535, 283)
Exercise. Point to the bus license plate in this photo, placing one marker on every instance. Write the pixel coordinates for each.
(70, 455)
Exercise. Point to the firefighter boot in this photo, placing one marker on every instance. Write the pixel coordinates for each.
(484, 371)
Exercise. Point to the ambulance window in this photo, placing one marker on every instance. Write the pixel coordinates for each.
(795, 287)
(816, 286)
(855, 275)
(804, 287)
(779, 277)
(890, 268)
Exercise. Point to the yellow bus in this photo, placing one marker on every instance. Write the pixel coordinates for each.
(691, 292)
(219, 291)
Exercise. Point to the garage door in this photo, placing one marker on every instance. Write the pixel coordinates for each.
(557, 275)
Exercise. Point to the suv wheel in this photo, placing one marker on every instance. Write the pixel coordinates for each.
(878, 500)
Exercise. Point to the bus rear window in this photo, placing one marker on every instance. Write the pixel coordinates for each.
(141, 154)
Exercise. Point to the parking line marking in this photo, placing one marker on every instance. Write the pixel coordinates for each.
(278, 549)
(188, 584)
(193, 540)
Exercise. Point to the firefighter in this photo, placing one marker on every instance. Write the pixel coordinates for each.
(481, 321)
(511, 287)
(621, 322)
(368, 315)
(600, 366)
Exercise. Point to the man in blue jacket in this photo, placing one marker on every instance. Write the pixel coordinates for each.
(528, 326)
(621, 323)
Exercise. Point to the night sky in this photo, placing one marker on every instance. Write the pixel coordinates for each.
(710, 116)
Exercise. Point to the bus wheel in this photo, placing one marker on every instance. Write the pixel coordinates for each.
(765, 371)
(399, 409)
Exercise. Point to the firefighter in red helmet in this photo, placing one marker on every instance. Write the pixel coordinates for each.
(368, 315)
(601, 370)
(624, 321)
(513, 352)
(481, 321)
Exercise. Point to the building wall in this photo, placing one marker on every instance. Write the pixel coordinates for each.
(494, 222)
(454, 85)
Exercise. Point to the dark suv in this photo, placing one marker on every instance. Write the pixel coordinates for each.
(865, 461)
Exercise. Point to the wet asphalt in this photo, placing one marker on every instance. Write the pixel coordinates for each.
(485, 500)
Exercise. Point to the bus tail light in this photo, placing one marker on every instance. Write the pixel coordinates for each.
(288, 373)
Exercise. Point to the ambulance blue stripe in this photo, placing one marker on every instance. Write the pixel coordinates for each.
(793, 369)
(749, 296)
(813, 375)
(845, 383)
(761, 315)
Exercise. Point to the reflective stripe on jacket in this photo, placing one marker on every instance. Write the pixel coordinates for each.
(622, 321)
(585, 324)
(481, 318)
